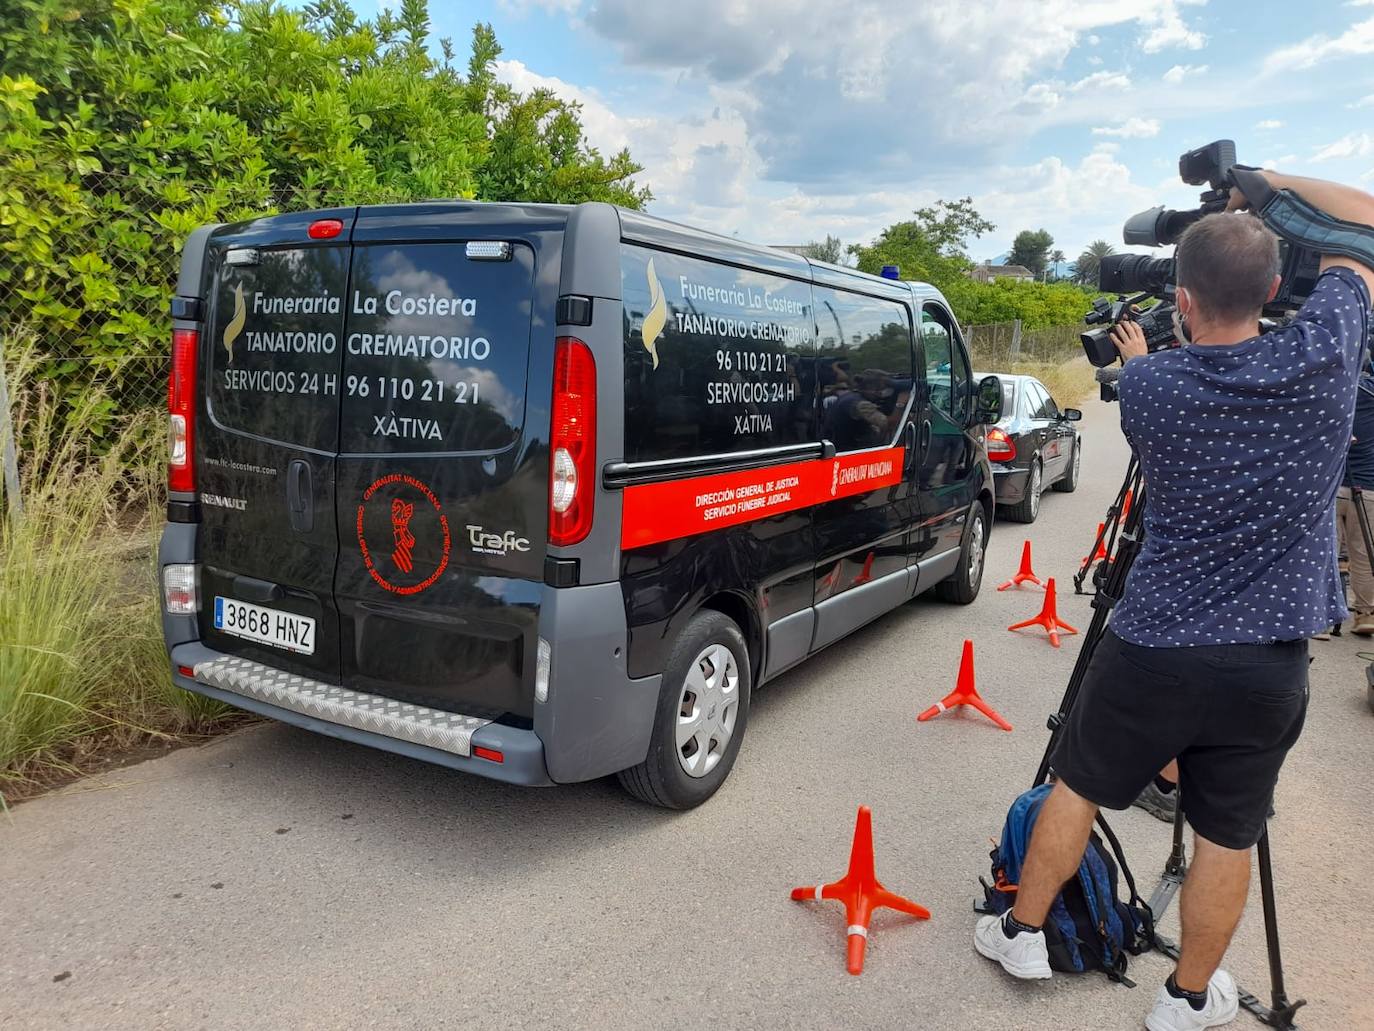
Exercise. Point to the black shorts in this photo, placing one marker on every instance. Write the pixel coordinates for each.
(1228, 713)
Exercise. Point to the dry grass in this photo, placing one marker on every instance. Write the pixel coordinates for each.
(1068, 382)
(82, 669)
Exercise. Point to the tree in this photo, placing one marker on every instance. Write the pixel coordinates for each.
(830, 249)
(1057, 258)
(930, 247)
(1031, 249)
(128, 124)
(1086, 267)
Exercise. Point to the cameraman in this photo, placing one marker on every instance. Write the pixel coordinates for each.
(1242, 441)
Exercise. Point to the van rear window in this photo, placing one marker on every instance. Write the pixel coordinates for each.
(436, 349)
(276, 337)
(717, 359)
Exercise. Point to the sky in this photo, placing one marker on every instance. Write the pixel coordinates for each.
(782, 121)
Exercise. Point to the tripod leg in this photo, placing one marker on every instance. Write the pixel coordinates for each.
(1175, 869)
(1281, 1010)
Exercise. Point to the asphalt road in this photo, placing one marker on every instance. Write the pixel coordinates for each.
(275, 878)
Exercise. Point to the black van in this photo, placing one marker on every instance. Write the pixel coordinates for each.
(542, 493)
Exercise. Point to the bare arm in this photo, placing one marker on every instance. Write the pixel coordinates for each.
(1343, 202)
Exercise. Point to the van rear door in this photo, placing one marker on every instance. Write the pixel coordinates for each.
(267, 437)
(443, 471)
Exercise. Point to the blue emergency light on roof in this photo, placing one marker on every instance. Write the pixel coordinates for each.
(892, 272)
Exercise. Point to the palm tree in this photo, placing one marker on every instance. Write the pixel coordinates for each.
(1085, 268)
(1056, 259)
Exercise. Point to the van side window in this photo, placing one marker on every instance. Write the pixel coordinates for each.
(718, 359)
(947, 372)
(864, 370)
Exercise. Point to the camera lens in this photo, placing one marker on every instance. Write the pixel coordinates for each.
(1129, 273)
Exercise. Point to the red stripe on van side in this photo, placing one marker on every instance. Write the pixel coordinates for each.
(655, 512)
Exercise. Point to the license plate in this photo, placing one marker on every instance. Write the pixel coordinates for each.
(266, 626)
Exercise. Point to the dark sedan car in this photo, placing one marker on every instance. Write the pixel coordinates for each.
(1035, 445)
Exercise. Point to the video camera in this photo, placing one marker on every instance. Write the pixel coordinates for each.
(1145, 277)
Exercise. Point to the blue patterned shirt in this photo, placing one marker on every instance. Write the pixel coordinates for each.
(1242, 447)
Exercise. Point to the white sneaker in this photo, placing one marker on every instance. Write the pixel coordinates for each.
(1172, 1014)
(1024, 956)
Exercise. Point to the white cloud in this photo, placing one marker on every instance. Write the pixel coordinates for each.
(1179, 72)
(1351, 145)
(1102, 81)
(1364, 101)
(1285, 161)
(818, 83)
(1131, 128)
(1169, 30)
(605, 129)
(1356, 40)
(1268, 124)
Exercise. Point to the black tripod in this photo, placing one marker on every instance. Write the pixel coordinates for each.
(1123, 535)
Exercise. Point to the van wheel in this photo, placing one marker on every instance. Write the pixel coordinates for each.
(962, 587)
(703, 708)
(1026, 510)
(1068, 483)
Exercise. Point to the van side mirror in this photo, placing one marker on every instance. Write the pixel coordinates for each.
(1071, 415)
(987, 402)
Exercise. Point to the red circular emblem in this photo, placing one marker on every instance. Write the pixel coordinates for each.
(410, 532)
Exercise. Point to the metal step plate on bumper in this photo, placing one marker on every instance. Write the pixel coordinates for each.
(448, 731)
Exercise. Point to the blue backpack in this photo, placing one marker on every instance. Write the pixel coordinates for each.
(1088, 927)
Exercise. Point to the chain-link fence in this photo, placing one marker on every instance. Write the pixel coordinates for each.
(87, 270)
(1004, 344)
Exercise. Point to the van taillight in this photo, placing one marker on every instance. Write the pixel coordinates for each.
(1001, 448)
(572, 442)
(181, 411)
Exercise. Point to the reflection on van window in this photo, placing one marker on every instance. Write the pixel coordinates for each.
(947, 376)
(436, 349)
(717, 359)
(277, 333)
(864, 369)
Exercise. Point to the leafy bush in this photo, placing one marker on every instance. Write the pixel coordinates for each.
(127, 123)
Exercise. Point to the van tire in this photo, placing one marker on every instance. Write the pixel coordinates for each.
(962, 586)
(661, 779)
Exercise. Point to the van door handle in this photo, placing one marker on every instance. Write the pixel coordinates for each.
(923, 441)
(300, 496)
(909, 443)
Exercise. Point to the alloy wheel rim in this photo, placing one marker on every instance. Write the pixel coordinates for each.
(1035, 489)
(707, 710)
(1077, 461)
(975, 551)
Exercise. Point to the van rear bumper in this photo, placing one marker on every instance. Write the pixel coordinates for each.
(446, 739)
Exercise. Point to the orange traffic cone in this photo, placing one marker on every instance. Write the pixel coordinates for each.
(1101, 551)
(1048, 618)
(964, 693)
(860, 891)
(1025, 572)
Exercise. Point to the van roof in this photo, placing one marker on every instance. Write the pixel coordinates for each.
(639, 227)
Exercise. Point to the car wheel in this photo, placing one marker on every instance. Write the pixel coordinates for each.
(1025, 510)
(1068, 483)
(703, 708)
(962, 586)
